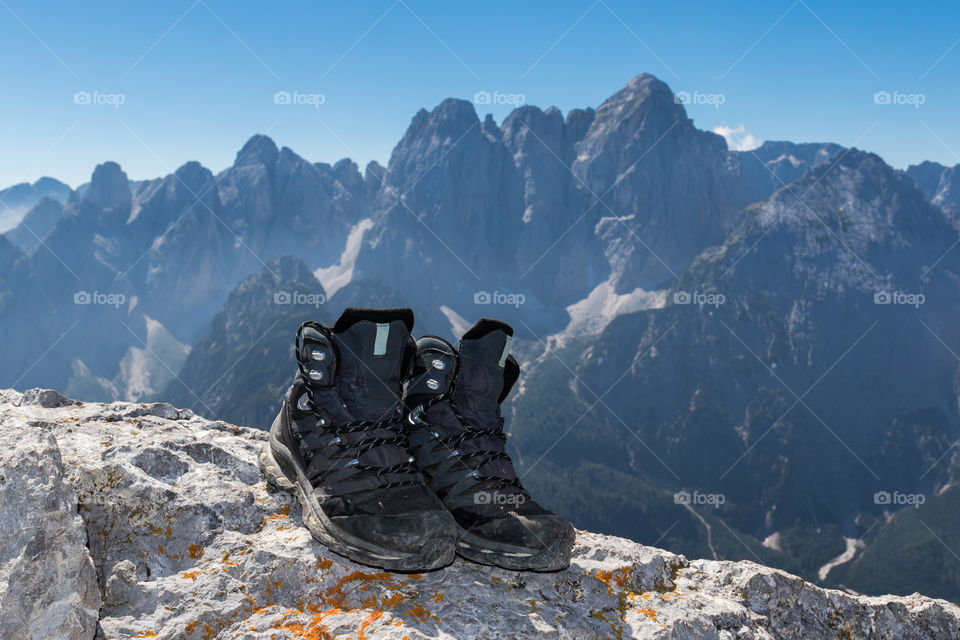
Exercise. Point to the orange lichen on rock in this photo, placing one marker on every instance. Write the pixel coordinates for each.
(284, 512)
(324, 563)
(650, 613)
(194, 551)
(373, 617)
(619, 578)
(418, 612)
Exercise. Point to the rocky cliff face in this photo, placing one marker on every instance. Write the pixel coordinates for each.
(144, 521)
(246, 358)
(941, 186)
(780, 374)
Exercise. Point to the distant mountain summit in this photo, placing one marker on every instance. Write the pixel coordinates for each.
(16, 201)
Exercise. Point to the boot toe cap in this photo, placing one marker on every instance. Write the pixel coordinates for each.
(405, 533)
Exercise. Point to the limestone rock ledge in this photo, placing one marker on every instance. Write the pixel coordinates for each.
(184, 540)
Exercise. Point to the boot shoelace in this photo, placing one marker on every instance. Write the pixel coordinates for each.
(455, 441)
(363, 445)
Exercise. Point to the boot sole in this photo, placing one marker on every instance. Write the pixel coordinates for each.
(555, 557)
(436, 553)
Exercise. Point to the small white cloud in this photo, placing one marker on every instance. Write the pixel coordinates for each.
(737, 138)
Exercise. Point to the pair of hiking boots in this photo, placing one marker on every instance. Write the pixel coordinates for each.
(396, 449)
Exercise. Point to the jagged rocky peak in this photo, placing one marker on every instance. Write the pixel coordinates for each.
(287, 269)
(644, 104)
(451, 122)
(374, 176)
(775, 163)
(259, 149)
(927, 176)
(193, 175)
(941, 186)
(865, 190)
(40, 220)
(109, 188)
(529, 121)
(579, 121)
(222, 555)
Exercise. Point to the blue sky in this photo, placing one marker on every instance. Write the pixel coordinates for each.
(197, 78)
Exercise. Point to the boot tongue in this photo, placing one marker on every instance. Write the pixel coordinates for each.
(484, 360)
(484, 350)
(373, 345)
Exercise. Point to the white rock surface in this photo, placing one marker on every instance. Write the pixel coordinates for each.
(189, 543)
(48, 585)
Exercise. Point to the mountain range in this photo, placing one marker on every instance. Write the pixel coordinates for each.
(734, 354)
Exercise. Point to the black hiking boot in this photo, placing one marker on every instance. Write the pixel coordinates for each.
(338, 445)
(456, 436)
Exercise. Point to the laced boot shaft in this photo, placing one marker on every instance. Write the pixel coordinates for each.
(364, 427)
(453, 398)
(339, 445)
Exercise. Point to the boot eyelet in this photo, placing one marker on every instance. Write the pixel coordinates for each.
(303, 403)
(353, 462)
(338, 440)
(432, 384)
(318, 355)
(438, 364)
(454, 453)
(316, 375)
(411, 459)
(473, 474)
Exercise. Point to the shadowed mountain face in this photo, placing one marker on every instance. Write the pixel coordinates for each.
(797, 368)
(940, 185)
(550, 208)
(244, 361)
(164, 253)
(710, 314)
